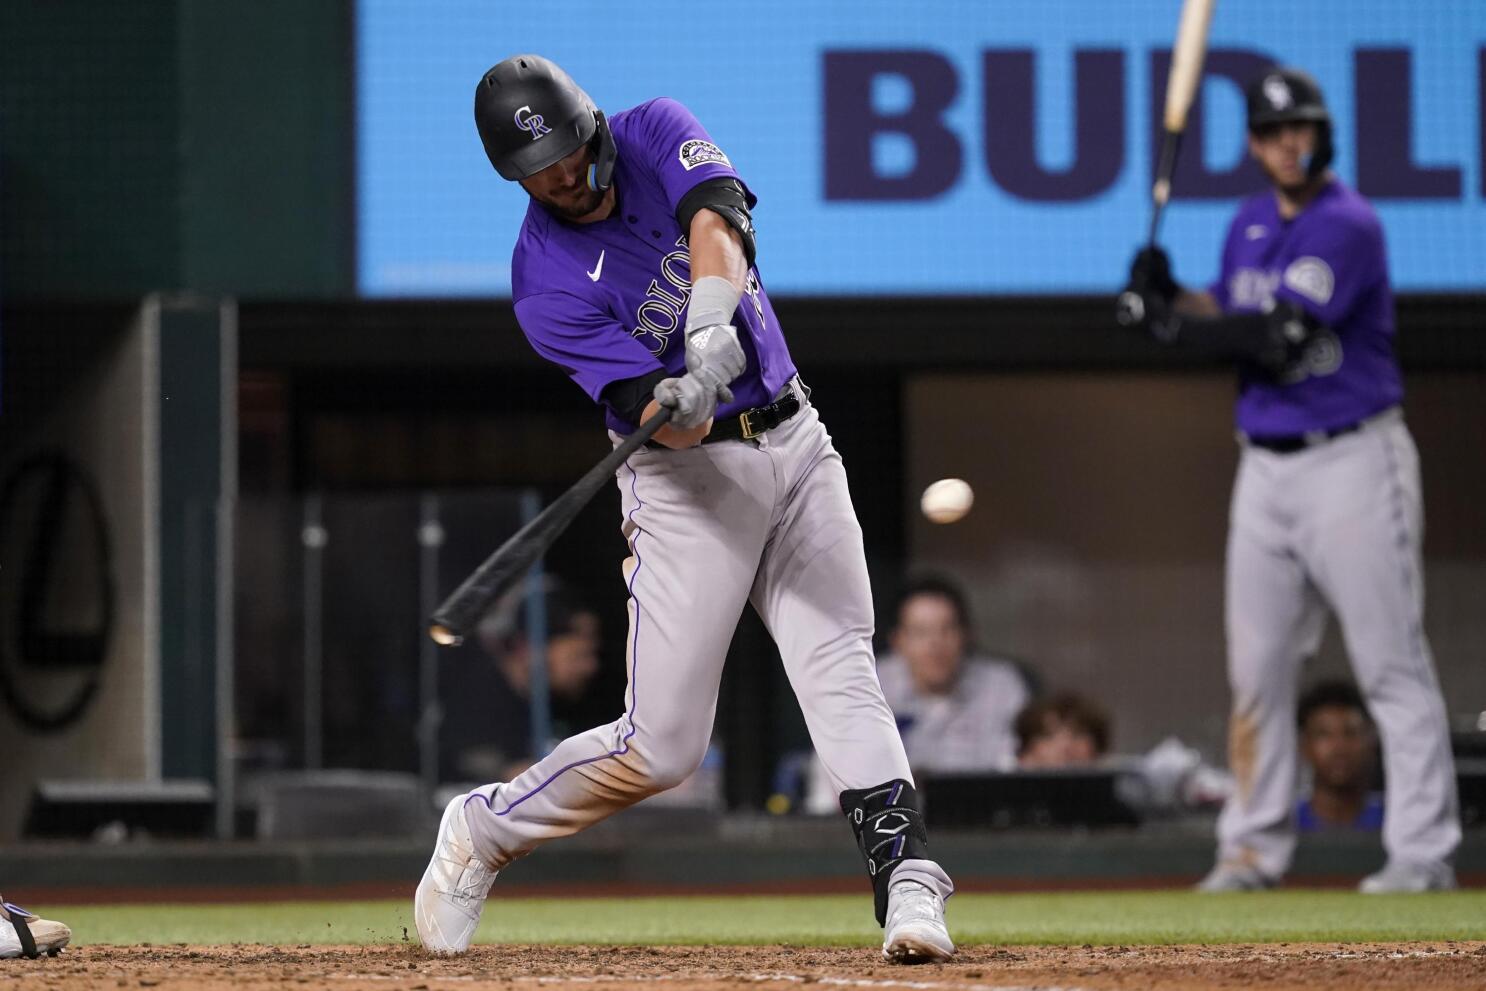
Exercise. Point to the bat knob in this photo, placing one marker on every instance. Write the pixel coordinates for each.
(1129, 312)
(443, 636)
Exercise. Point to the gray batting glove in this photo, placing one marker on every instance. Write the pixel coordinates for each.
(715, 347)
(692, 398)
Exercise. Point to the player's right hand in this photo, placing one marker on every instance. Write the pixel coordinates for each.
(1150, 274)
(692, 398)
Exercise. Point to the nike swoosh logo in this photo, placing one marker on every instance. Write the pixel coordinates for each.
(599, 268)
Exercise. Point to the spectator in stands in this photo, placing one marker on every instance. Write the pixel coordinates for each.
(1065, 730)
(954, 704)
(1339, 745)
(485, 692)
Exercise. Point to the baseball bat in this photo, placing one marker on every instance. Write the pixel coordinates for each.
(1181, 88)
(467, 603)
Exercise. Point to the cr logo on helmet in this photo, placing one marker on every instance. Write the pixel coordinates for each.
(532, 122)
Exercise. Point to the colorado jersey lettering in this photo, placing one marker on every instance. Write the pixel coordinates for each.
(629, 322)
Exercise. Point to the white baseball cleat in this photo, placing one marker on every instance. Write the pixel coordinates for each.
(915, 931)
(23, 933)
(451, 896)
(1231, 876)
(1406, 877)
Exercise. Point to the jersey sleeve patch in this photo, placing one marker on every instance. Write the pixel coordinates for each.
(698, 152)
(1312, 278)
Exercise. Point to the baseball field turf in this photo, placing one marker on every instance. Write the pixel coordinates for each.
(1108, 918)
(1310, 940)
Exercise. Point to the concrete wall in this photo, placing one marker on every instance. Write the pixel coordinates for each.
(84, 395)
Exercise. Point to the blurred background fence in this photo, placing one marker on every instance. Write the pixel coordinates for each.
(263, 399)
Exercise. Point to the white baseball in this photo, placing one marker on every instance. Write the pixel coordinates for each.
(947, 500)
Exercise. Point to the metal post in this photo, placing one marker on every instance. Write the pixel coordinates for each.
(536, 639)
(226, 696)
(430, 713)
(226, 534)
(314, 537)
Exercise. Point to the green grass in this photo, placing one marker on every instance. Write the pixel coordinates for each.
(1071, 918)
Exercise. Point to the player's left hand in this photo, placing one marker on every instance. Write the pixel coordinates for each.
(692, 398)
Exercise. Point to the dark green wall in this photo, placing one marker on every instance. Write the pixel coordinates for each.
(88, 167)
(175, 144)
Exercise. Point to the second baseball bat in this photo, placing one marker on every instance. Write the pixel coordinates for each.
(467, 603)
(1181, 88)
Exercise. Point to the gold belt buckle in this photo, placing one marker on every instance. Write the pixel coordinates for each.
(749, 430)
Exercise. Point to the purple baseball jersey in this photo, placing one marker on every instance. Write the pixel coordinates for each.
(1329, 260)
(606, 301)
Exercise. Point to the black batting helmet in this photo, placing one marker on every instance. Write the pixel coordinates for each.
(531, 114)
(1283, 94)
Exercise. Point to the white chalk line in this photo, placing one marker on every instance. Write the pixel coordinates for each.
(718, 976)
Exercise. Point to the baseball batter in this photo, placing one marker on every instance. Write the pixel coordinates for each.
(1326, 508)
(634, 273)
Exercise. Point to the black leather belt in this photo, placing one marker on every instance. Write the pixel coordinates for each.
(752, 422)
(1291, 443)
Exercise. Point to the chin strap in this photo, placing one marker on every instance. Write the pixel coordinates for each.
(889, 830)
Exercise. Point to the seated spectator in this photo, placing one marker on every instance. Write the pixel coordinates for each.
(1064, 730)
(953, 704)
(1339, 745)
(485, 692)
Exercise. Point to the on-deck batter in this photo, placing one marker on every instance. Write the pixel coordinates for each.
(1326, 508)
(634, 273)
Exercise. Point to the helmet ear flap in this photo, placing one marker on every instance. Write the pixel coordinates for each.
(601, 172)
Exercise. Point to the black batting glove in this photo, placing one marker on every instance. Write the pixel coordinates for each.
(1289, 333)
(1150, 274)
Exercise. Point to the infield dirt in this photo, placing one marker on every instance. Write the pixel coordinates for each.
(1355, 967)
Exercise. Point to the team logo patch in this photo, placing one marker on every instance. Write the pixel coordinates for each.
(1277, 93)
(1255, 231)
(697, 152)
(1312, 278)
(531, 122)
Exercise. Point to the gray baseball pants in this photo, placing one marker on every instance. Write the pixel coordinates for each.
(1339, 525)
(767, 521)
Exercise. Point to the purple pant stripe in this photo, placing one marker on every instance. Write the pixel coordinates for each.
(634, 680)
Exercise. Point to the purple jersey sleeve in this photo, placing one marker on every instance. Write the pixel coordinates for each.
(1335, 264)
(680, 150)
(591, 346)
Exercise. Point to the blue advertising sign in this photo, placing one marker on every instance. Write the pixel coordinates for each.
(960, 148)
